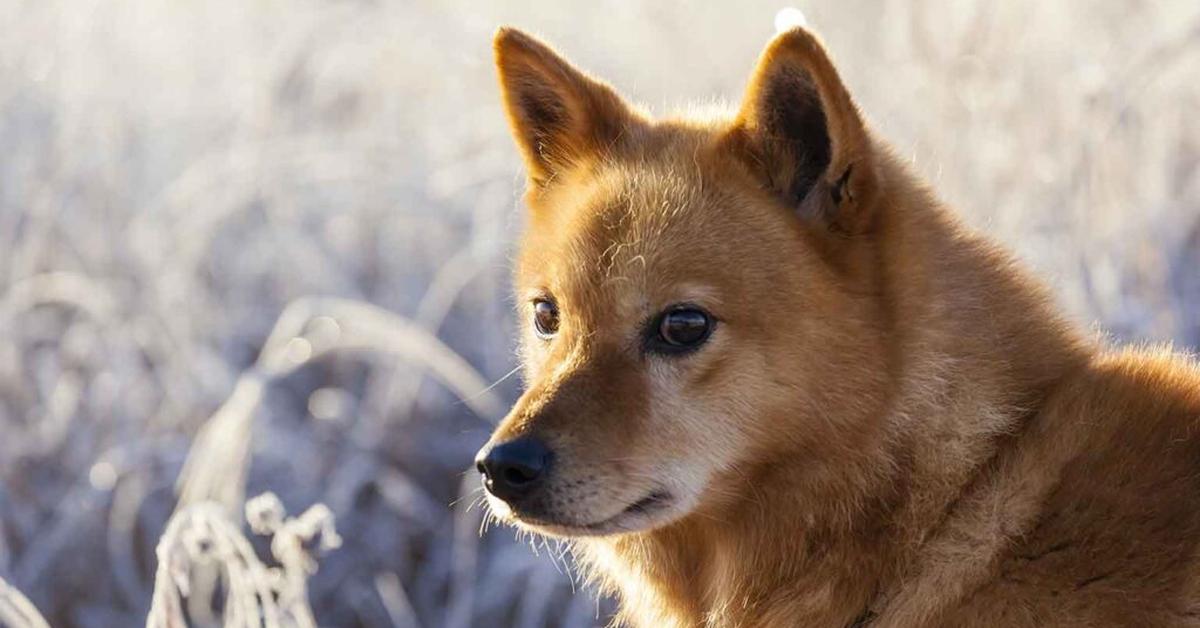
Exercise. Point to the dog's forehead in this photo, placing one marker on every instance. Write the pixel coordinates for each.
(635, 231)
(639, 233)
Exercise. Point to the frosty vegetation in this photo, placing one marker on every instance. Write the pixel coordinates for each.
(261, 248)
(202, 551)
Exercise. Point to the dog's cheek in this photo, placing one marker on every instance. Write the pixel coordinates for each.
(696, 427)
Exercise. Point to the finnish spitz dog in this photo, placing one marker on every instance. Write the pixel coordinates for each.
(772, 380)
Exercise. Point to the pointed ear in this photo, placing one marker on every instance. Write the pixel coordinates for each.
(801, 133)
(559, 116)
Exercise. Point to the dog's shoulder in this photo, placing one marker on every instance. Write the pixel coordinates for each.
(1116, 534)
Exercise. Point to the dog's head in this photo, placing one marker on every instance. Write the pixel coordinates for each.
(691, 292)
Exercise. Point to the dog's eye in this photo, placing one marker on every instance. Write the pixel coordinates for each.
(545, 318)
(681, 329)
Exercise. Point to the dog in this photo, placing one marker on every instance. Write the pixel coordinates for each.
(772, 380)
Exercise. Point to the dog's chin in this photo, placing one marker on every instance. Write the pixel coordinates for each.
(653, 511)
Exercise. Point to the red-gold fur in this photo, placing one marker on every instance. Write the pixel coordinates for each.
(891, 424)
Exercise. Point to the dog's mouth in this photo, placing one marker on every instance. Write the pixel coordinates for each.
(637, 516)
(653, 501)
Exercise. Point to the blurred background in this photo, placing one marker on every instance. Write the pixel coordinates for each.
(263, 245)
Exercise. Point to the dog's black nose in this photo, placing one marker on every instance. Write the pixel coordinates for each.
(513, 469)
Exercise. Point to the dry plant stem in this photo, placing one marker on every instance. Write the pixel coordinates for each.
(201, 537)
(16, 611)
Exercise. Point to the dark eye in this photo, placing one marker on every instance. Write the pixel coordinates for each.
(545, 318)
(681, 329)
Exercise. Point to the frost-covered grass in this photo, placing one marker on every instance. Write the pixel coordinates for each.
(262, 246)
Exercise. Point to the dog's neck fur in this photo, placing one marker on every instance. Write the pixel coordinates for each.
(979, 359)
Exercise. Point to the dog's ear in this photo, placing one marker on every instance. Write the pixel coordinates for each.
(559, 116)
(800, 132)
